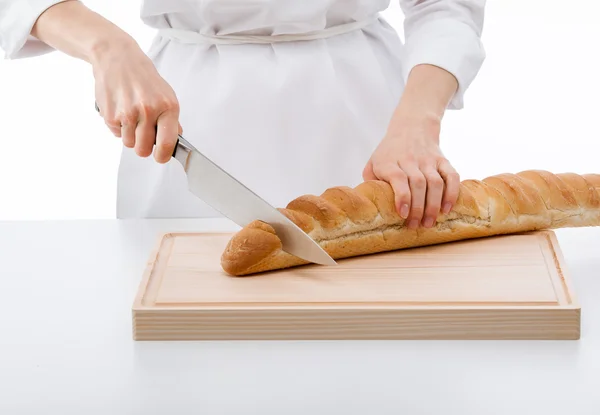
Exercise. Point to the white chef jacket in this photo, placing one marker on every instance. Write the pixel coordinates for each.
(286, 118)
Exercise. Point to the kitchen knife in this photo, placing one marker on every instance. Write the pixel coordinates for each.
(235, 201)
(231, 198)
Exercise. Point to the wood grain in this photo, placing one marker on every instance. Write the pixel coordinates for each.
(505, 287)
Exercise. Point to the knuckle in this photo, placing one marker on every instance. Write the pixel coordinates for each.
(141, 137)
(129, 117)
(398, 174)
(145, 109)
(145, 143)
(406, 160)
(158, 105)
(143, 150)
(128, 136)
(417, 180)
(165, 144)
(115, 130)
(404, 199)
(383, 169)
(416, 212)
(418, 207)
(424, 162)
(441, 161)
(435, 180)
(454, 177)
(112, 121)
(403, 192)
(170, 103)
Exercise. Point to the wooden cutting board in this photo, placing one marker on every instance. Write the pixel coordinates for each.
(505, 287)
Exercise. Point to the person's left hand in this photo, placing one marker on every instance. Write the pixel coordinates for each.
(410, 160)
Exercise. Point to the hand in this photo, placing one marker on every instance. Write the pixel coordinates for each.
(410, 159)
(136, 103)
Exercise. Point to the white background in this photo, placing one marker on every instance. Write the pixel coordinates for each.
(535, 104)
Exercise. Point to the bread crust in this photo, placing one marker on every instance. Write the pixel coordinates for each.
(349, 222)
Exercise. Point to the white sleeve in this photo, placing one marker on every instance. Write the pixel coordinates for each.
(447, 34)
(17, 18)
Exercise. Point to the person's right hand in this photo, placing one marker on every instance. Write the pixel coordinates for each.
(137, 104)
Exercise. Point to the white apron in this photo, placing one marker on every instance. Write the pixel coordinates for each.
(286, 118)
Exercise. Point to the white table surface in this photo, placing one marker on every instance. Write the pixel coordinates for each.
(66, 346)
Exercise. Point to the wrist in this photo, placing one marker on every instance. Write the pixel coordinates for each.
(428, 91)
(425, 115)
(420, 102)
(105, 48)
(425, 125)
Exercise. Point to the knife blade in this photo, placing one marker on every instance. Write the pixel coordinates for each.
(225, 194)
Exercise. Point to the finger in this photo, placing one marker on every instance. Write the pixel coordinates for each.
(128, 121)
(433, 198)
(398, 179)
(115, 130)
(112, 121)
(145, 136)
(166, 136)
(452, 185)
(102, 105)
(418, 188)
(368, 172)
(128, 134)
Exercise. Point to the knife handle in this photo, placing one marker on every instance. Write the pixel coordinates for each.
(182, 144)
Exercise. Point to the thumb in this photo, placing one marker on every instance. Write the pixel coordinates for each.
(368, 172)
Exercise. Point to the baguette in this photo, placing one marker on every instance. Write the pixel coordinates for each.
(349, 222)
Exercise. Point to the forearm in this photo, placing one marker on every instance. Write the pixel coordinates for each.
(426, 96)
(74, 29)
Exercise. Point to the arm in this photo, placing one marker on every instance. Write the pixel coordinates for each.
(70, 27)
(17, 17)
(427, 93)
(443, 56)
(135, 102)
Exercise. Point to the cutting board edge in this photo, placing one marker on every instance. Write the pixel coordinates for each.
(564, 273)
(442, 324)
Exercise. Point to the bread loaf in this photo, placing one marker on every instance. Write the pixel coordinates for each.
(349, 222)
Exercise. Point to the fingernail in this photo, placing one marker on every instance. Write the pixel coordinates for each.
(428, 222)
(447, 207)
(413, 224)
(404, 211)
